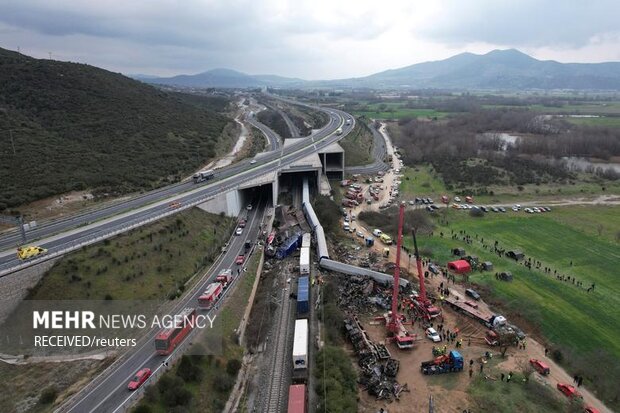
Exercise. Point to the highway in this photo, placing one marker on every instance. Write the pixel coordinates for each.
(109, 392)
(379, 153)
(91, 225)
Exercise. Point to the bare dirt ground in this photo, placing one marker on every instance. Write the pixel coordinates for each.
(57, 206)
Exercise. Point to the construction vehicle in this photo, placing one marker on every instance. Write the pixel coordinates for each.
(422, 306)
(30, 252)
(448, 363)
(393, 320)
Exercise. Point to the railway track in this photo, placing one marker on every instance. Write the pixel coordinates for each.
(278, 371)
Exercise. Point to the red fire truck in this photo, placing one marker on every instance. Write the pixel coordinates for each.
(210, 296)
(169, 338)
(225, 277)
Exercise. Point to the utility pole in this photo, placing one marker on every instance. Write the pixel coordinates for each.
(17, 221)
(50, 53)
(12, 142)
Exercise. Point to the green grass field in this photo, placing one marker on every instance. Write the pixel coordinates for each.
(147, 263)
(421, 180)
(565, 315)
(358, 146)
(396, 110)
(611, 122)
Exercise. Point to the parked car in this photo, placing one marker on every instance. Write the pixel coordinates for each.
(501, 209)
(540, 367)
(569, 391)
(240, 259)
(457, 199)
(494, 209)
(590, 409)
(472, 293)
(139, 379)
(485, 209)
(431, 333)
(360, 234)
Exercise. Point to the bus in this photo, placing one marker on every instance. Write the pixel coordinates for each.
(169, 338)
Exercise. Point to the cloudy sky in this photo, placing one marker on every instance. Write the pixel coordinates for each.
(311, 39)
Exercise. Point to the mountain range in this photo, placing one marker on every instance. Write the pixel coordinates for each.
(497, 70)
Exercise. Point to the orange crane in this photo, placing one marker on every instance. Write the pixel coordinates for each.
(394, 320)
(423, 307)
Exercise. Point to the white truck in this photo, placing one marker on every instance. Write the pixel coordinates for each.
(300, 345)
(304, 261)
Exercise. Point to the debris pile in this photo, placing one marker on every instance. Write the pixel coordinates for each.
(360, 294)
(378, 368)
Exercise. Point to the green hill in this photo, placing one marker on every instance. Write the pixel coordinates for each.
(67, 126)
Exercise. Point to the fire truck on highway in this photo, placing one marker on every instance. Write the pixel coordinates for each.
(211, 295)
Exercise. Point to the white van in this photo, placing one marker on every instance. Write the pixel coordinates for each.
(377, 232)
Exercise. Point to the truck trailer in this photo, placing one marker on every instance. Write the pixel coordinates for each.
(304, 261)
(203, 176)
(300, 345)
(303, 296)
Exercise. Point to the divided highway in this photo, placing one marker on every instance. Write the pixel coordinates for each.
(79, 229)
(109, 392)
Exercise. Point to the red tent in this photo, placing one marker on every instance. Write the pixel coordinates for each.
(459, 266)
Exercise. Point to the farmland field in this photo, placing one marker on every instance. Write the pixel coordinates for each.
(565, 314)
(394, 110)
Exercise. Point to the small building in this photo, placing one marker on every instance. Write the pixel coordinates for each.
(459, 266)
(487, 266)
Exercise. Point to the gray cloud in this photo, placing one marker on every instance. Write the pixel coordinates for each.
(524, 23)
(305, 38)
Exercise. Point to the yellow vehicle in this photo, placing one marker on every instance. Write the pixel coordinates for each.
(26, 253)
(386, 239)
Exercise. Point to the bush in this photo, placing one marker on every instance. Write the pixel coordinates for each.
(142, 408)
(335, 372)
(224, 384)
(48, 395)
(189, 371)
(233, 366)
